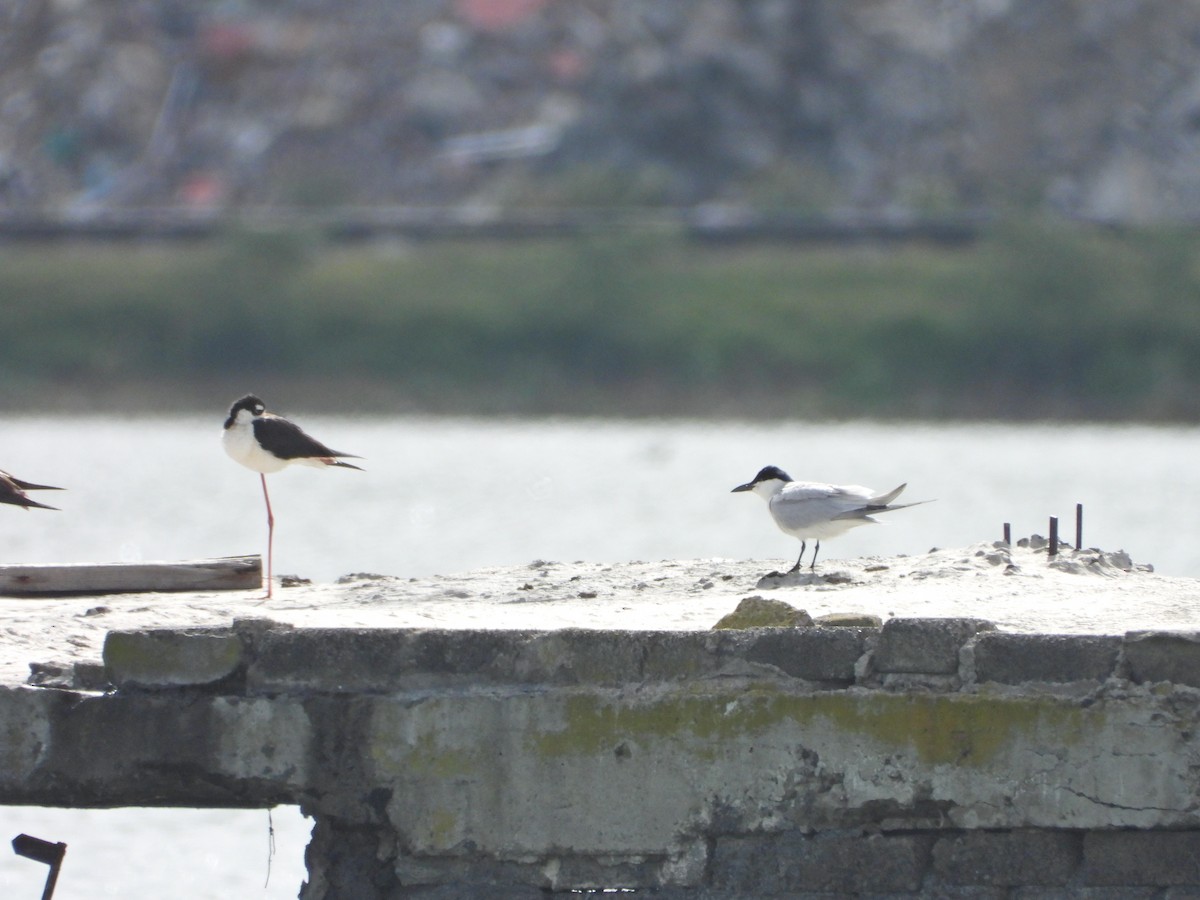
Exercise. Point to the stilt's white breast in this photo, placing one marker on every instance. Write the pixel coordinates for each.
(238, 440)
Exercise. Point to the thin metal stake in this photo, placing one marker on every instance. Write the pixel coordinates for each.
(1078, 526)
(270, 847)
(1008, 534)
(1053, 546)
(43, 852)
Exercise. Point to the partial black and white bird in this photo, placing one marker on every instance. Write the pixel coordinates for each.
(268, 443)
(12, 490)
(810, 510)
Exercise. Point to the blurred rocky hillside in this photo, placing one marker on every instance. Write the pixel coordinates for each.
(1087, 108)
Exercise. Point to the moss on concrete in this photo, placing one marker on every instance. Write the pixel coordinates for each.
(939, 729)
(428, 757)
(443, 828)
(762, 612)
(170, 659)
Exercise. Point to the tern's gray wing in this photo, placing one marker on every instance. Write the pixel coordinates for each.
(886, 499)
(801, 504)
(882, 503)
(864, 506)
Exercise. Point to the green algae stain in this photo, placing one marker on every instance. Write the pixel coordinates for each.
(965, 730)
(426, 757)
(442, 828)
(176, 659)
(961, 730)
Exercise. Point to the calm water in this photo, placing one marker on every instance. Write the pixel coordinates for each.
(450, 495)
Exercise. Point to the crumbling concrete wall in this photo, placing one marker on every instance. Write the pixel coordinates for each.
(924, 756)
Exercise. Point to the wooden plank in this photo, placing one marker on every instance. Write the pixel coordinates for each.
(230, 573)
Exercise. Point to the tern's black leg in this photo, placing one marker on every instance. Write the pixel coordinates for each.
(817, 549)
(798, 561)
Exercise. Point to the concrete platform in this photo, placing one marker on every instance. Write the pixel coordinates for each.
(928, 755)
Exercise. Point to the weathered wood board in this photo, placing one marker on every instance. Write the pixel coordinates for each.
(231, 573)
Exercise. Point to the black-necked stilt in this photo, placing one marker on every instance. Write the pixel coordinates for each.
(268, 443)
(12, 490)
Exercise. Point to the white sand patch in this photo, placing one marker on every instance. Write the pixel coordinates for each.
(1081, 593)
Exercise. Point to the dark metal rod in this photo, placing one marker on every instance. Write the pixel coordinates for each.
(1078, 526)
(52, 879)
(1008, 534)
(43, 852)
(1052, 549)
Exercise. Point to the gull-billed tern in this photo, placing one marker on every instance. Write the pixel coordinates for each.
(810, 510)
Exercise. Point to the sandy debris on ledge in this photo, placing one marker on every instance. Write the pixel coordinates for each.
(1088, 592)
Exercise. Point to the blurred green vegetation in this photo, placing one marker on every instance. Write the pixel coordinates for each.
(1032, 321)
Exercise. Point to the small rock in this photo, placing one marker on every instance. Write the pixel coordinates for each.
(759, 612)
(364, 576)
(80, 675)
(58, 675)
(849, 620)
(800, 578)
(91, 676)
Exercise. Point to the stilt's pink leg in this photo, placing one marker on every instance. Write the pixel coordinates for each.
(270, 537)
